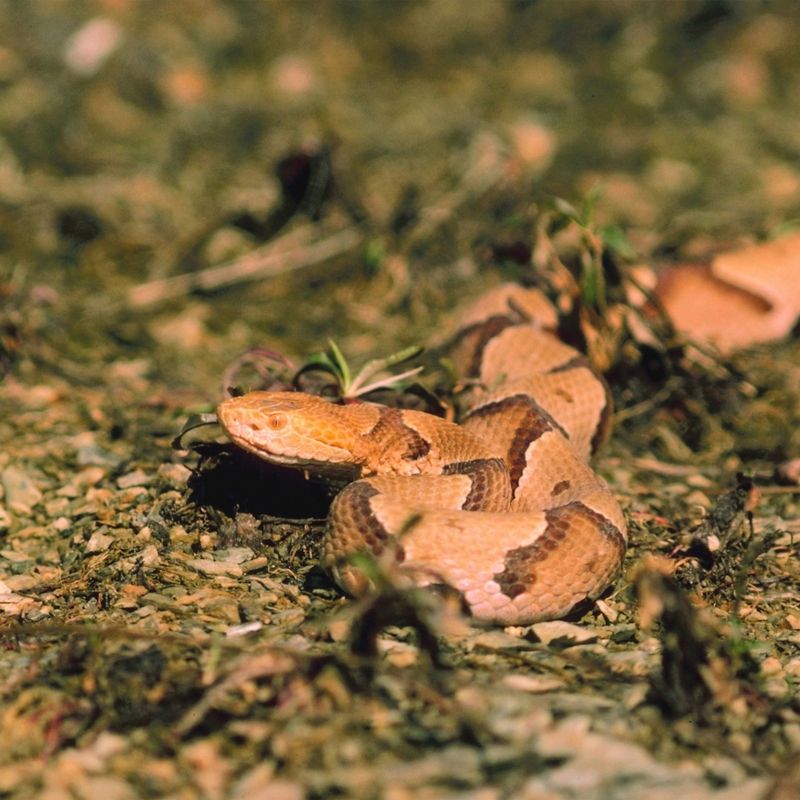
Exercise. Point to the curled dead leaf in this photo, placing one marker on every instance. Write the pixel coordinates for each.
(740, 298)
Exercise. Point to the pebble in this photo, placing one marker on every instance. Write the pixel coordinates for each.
(206, 541)
(534, 143)
(14, 605)
(532, 684)
(175, 475)
(17, 583)
(771, 666)
(565, 738)
(339, 629)
(252, 788)
(398, 654)
(90, 475)
(438, 767)
(93, 455)
(88, 48)
(149, 557)
(557, 632)
(698, 498)
(698, 481)
(56, 507)
(136, 478)
(293, 74)
(255, 564)
(21, 492)
(724, 770)
(244, 628)
(636, 695)
(793, 621)
(793, 667)
(98, 542)
(234, 555)
(625, 632)
(18, 560)
(128, 496)
(792, 733)
(607, 610)
(210, 567)
(789, 471)
(160, 601)
(179, 535)
(41, 396)
(497, 640)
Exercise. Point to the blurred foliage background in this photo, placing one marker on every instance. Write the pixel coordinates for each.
(140, 140)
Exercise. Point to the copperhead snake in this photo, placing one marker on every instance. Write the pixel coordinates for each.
(503, 507)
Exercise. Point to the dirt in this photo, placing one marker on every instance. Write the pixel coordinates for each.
(183, 187)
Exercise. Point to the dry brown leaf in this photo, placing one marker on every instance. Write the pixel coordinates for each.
(741, 298)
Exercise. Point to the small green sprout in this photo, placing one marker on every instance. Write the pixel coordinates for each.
(595, 239)
(333, 361)
(374, 255)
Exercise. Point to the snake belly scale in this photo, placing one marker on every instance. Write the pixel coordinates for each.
(503, 507)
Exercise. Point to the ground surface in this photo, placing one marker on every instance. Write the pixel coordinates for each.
(165, 630)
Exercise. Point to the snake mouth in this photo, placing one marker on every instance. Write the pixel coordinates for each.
(241, 434)
(322, 469)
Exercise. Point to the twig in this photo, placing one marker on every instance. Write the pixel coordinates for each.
(273, 259)
(654, 401)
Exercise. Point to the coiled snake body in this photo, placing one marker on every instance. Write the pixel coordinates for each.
(502, 507)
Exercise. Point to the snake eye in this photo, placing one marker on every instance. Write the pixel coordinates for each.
(276, 421)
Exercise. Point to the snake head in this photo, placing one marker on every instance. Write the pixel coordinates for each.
(293, 429)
